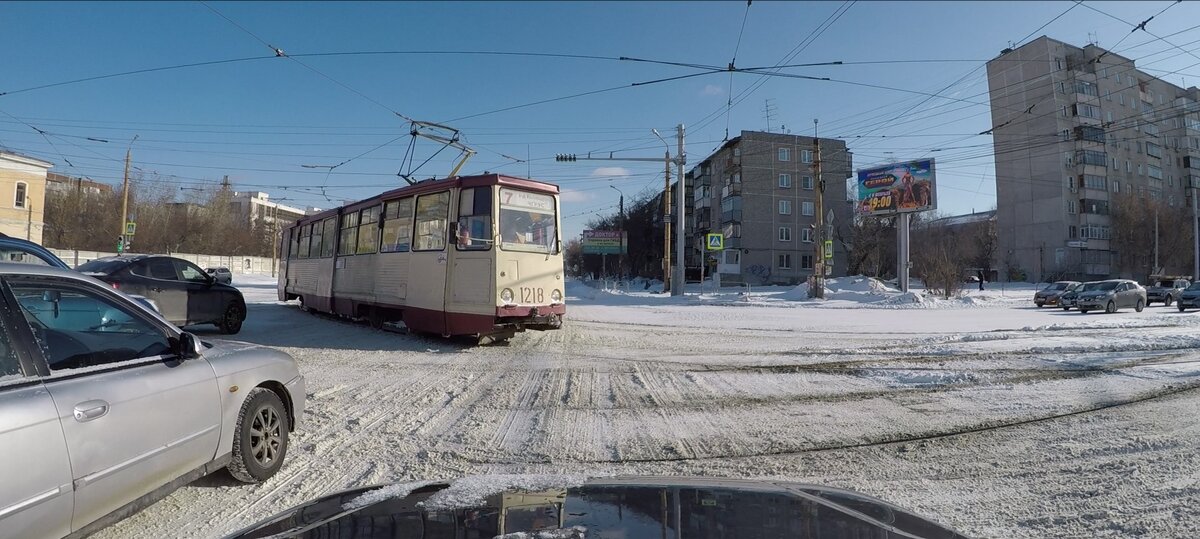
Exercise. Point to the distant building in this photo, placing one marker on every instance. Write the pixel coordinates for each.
(1074, 128)
(22, 195)
(759, 190)
(61, 184)
(256, 206)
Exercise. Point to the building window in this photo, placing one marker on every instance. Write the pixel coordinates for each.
(806, 156)
(1091, 157)
(1072, 232)
(1086, 88)
(1058, 64)
(806, 262)
(1071, 206)
(1154, 172)
(1116, 187)
(807, 207)
(19, 199)
(785, 154)
(785, 261)
(1121, 98)
(806, 182)
(785, 233)
(785, 207)
(1065, 135)
(1154, 150)
(785, 181)
(1087, 111)
(1128, 167)
(806, 235)
(1139, 169)
(1092, 181)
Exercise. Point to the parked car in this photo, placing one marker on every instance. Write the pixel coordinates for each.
(22, 251)
(1111, 295)
(221, 274)
(1166, 288)
(1068, 299)
(105, 406)
(185, 294)
(1190, 297)
(1052, 294)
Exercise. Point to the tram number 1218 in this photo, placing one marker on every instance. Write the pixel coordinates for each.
(531, 295)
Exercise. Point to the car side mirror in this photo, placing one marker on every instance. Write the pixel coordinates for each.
(52, 297)
(189, 346)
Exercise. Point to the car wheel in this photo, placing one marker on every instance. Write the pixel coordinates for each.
(1140, 305)
(1111, 307)
(1083, 311)
(1066, 308)
(231, 321)
(1167, 302)
(1039, 305)
(1181, 307)
(261, 437)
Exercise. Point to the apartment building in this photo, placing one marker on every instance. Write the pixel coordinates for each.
(759, 189)
(1074, 128)
(22, 195)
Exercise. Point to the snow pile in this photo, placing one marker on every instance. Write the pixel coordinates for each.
(474, 490)
(398, 490)
(574, 532)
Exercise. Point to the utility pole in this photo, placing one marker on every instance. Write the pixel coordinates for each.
(819, 262)
(667, 222)
(1155, 237)
(621, 255)
(125, 194)
(680, 220)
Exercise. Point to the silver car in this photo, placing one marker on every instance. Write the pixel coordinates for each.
(1190, 297)
(1111, 295)
(221, 275)
(106, 407)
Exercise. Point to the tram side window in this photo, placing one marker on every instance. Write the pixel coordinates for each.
(474, 229)
(295, 251)
(368, 230)
(329, 237)
(314, 250)
(527, 222)
(433, 212)
(305, 234)
(397, 225)
(349, 240)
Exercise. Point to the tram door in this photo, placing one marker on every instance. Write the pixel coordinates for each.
(426, 303)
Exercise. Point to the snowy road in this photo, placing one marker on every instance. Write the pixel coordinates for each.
(995, 418)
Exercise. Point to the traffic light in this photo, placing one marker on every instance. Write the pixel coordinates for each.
(564, 157)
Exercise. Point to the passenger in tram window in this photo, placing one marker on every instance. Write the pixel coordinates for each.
(464, 233)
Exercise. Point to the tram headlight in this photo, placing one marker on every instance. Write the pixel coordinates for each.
(556, 296)
(506, 295)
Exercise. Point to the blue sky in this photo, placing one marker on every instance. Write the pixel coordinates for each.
(271, 124)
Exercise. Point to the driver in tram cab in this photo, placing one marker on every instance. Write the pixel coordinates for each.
(464, 233)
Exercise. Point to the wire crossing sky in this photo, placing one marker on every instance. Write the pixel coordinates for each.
(312, 101)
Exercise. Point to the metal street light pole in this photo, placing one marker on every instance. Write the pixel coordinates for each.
(125, 195)
(680, 219)
(667, 280)
(621, 255)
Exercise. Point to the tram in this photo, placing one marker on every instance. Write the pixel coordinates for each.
(468, 255)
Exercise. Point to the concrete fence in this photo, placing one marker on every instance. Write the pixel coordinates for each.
(254, 265)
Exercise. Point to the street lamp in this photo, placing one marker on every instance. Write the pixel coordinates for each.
(621, 255)
(666, 215)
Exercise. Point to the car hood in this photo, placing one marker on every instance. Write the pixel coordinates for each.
(1048, 293)
(568, 507)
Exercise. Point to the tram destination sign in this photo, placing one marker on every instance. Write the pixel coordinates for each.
(604, 242)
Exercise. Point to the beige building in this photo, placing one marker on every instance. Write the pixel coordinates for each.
(22, 195)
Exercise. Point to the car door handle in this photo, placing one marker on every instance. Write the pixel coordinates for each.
(89, 410)
(156, 289)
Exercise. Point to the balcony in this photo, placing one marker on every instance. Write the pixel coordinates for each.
(731, 190)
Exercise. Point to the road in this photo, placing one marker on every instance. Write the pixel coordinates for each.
(1002, 421)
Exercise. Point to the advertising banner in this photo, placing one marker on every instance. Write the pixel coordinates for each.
(604, 242)
(900, 187)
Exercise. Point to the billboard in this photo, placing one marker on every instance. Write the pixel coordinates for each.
(899, 187)
(604, 242)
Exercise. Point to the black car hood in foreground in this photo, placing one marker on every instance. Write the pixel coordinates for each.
(528, 507)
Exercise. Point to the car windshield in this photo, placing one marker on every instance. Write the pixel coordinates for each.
(1057, 286)
(105, 266)
(1106, 286)
(1194, 286)
(1168, 283)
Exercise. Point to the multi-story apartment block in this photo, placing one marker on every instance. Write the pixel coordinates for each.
(759, 189)
(1073, 128)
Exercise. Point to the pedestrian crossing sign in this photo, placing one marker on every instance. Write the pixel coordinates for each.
(715, 242)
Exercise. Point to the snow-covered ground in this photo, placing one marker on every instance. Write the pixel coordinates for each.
(982, 412)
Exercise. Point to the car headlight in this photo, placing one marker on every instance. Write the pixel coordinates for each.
(556, 296)
(506, 295)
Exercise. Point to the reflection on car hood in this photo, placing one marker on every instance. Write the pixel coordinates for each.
(611, 507)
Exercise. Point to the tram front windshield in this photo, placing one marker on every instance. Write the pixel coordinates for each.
(527, 222)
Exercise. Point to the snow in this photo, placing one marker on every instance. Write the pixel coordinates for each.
(395, 490)
(474, 490)
(982, 412)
